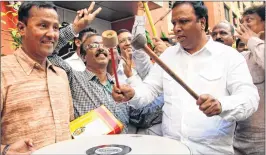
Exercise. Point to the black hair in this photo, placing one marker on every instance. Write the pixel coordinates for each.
(24, 9)
(81, 34)
(63, 25)
(259, 10)
(82, 50)
(122, 31)
(200, 9)
(237, 42)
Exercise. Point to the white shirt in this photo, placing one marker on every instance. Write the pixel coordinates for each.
(76, 63)
(216, 69)
(121, 75)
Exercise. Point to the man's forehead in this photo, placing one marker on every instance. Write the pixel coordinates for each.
(45, 14)
(222, 26)
(124, 34)
(93, 39)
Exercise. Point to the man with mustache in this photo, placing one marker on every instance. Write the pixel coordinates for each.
(223, 32)
(218, 73)
(93, 87)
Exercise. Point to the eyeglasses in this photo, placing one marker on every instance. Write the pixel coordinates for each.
(123, 40)
(94, 46)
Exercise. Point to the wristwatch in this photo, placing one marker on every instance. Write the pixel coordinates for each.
(6, 148)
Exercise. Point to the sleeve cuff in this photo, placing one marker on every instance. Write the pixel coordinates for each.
(72, 31)
(133, 80)
(253, 42)
(225, 103)
(140, 20)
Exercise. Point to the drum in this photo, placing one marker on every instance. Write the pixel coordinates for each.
(117, 145)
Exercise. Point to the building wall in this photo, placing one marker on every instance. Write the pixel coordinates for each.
(69, 16)
(217, 13)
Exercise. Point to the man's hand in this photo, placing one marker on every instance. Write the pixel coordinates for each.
(245, 33)
(123, 94)
(85, 17)
(159, 46)
(209, 105)
(21, 147)
(140, 9)
(128, 62)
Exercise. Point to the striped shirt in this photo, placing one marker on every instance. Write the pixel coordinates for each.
(35, 101)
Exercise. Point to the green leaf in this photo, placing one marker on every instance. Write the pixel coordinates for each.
(14, 32)
(163, 35)
(149, 41)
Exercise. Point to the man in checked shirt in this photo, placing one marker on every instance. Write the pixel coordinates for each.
(93, 87)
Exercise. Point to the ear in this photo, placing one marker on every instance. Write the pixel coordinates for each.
(83, 58)
(77, 42)
(203, 23)
(21, 28)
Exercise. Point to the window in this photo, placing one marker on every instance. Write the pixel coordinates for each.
(226, 13)
(244, 6)
(170, 4)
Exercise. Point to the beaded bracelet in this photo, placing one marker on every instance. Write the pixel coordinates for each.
(6, 148)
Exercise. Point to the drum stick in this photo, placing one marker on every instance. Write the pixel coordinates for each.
(114, 67)
(147, 10)
(140, 42)
(110, 41)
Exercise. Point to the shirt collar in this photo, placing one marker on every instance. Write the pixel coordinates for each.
(208, 47)
(120, 68)
(28, 64)
(92, 76)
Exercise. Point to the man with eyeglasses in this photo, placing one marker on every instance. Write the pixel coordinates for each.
(93, 87)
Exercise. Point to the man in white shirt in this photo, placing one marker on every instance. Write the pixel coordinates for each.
(73, 57)
(207, 125)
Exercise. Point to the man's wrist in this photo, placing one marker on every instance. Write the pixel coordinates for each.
(75, 30)
(5, 150)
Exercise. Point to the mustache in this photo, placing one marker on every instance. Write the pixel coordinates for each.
(219, 40)
(101, 51)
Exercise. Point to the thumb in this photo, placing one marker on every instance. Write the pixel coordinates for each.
(29, 142)
(156, 39)
(115, 89)
(202, 99)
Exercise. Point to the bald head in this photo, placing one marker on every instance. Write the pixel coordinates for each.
(224, 33)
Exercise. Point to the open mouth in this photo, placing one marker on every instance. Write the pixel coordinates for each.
(180, 38)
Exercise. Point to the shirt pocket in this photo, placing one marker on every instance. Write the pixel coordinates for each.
(168, 84)
(211, 81)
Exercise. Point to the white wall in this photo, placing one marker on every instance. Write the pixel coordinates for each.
(69, 16)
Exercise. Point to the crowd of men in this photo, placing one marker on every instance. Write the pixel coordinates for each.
(45, 86)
